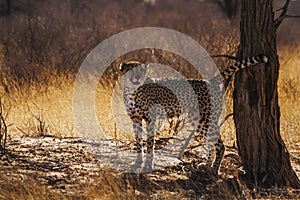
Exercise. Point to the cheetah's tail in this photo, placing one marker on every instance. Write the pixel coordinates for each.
(244, 63)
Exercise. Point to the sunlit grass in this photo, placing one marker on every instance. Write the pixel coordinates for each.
(37, 105)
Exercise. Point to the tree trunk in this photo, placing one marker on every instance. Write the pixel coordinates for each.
(256, 110)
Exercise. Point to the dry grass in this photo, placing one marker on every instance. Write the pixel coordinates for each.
(40, 109)
(107, 185)
(25, 189)
(289, 94)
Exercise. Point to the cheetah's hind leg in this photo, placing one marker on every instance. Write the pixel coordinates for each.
(150, 145)
(220, 150)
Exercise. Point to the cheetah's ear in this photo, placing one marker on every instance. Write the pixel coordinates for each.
(124, 67)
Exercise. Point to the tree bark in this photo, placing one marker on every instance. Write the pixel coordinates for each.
(256, 110)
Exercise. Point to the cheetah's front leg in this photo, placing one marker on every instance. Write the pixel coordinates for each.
(138, 131)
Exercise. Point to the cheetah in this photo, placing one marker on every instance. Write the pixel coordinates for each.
(147, 99)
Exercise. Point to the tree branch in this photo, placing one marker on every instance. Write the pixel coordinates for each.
(224, 56)
(292, 16)
(283, 14)
(3, 130)
(229, 115)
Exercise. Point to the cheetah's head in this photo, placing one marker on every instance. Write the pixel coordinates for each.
(134, 71)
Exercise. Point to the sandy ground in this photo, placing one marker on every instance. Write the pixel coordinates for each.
(66, 164)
